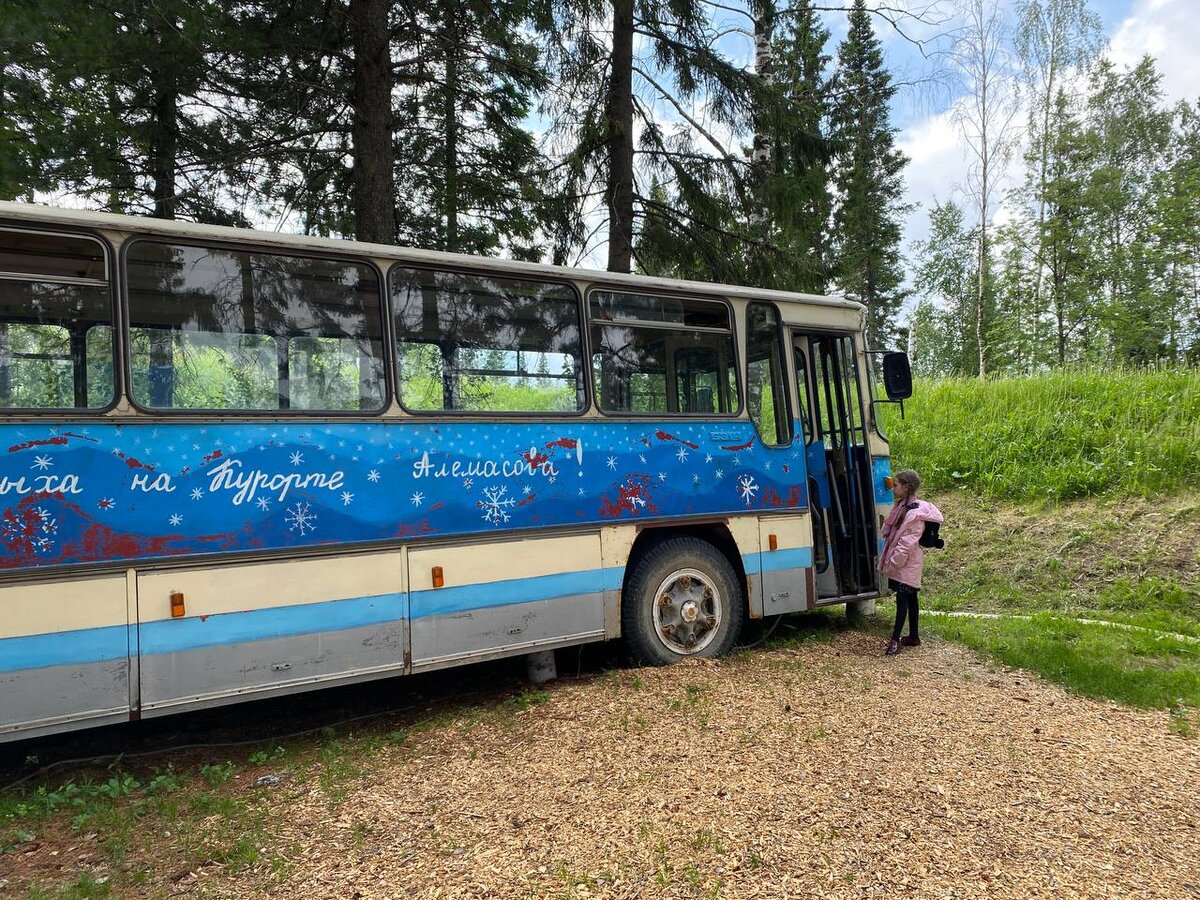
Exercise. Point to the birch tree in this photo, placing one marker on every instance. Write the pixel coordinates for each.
(986, 118)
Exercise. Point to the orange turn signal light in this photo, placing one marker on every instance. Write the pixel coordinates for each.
(773, 542)
(438, 580)
(887, 482)
(177, 610)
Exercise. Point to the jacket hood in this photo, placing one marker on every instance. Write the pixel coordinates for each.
(926, 512)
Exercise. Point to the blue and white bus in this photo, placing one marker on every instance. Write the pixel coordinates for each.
(237, 464)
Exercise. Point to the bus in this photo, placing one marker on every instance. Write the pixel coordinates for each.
(237, 464)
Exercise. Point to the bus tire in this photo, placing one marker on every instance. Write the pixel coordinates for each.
(682, 600)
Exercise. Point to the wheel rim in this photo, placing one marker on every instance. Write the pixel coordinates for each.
(687, 611)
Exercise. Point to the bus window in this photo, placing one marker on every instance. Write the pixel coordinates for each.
(212, 328)
(487, 344)
(806, 422)
(765, 392)
(56, 337)
(662, 354)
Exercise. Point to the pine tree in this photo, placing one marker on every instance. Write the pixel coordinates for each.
(662, 56)
(797, 190)
(132, 117)
(472, 164)
(868, 177)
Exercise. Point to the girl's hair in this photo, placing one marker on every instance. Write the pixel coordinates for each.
(910, 478)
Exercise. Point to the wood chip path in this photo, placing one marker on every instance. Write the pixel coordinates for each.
(824, 770)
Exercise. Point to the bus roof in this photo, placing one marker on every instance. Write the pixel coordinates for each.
(37, 214)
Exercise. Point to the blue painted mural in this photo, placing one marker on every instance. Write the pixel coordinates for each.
(140, 490)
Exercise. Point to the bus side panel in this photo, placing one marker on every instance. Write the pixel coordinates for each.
(64, 654)
(507, 597)
(258, 627)
(785, 567)
(881, 468)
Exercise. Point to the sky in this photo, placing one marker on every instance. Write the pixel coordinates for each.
(1168, 30)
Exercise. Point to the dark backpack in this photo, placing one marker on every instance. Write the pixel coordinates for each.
(929, 537)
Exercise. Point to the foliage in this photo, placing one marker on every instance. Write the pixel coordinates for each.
(867, 173)
(1099, 266)
(1055, 436)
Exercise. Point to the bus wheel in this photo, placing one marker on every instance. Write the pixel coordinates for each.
(682, 600)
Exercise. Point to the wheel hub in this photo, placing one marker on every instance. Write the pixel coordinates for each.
(689, 611)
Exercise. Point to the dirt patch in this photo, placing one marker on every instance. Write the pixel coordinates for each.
(821, 770)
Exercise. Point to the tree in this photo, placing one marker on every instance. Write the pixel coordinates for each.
(986, 119)
(1056, 39)
(470, 155)
(796, 188)
(868, 177)
(619, 103)
(945, 275)
(131, 110)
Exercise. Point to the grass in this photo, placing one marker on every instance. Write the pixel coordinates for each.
(1053, 437)
(1068, 496)
(1131, 561)
(1136, 668)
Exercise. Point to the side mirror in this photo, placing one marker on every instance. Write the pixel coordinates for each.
(897, 376)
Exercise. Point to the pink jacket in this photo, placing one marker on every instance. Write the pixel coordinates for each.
(902, 557)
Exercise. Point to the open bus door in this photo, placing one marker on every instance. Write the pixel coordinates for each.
(840, 485)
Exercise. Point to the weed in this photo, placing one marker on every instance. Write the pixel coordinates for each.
(526, 700)
(705, 839)
(218, 773)
(1181, 720)
(265, 755)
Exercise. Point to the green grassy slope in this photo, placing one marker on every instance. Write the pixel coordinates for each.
(1068, 497)
(1053, 437)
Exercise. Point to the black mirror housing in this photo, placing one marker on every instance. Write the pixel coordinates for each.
(897, 376)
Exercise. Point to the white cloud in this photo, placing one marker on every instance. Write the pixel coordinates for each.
(1168, 30)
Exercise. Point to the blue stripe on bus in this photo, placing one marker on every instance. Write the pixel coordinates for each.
(64, 648)
(177, 635)
(90, 645)
(774, 560)
(440, 601)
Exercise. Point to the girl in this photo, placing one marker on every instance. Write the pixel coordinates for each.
(903, 556)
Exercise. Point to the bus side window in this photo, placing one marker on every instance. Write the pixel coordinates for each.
(488, 344)
(56, 335)
(653, 354)
(806, 423)
(212, 328)
(766, 395)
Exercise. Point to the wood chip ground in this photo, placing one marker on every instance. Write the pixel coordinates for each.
(824, 770)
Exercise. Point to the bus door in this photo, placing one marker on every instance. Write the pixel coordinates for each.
(839, 464)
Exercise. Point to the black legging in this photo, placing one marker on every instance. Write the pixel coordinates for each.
(906, 605)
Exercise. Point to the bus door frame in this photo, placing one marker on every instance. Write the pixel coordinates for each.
(839, 500)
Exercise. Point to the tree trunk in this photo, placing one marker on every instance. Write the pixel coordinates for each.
(164, 145)
(619, 121)
(373, 192)
(450, 126)
(764, 29)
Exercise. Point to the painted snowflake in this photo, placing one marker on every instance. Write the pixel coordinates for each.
(301, 518)
(747, 488)
(28, 530)
(495, 505)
